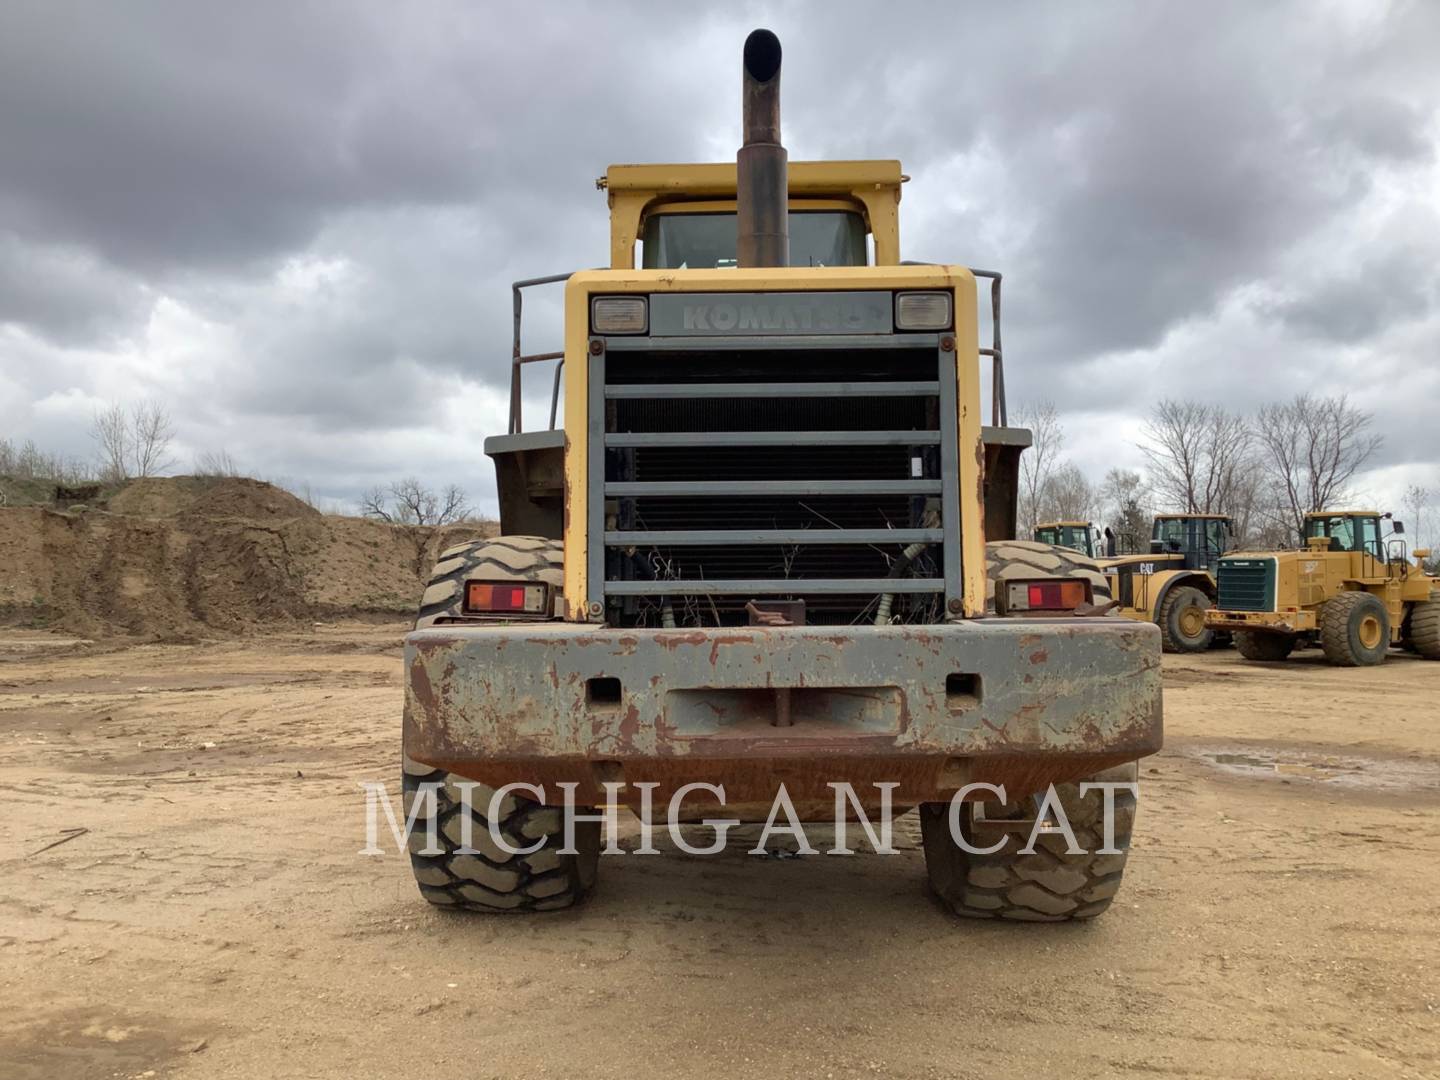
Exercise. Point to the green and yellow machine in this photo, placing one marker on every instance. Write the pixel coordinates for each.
(1173, 585)
(1351, 590)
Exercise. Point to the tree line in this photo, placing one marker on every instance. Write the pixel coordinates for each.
(1265, 469)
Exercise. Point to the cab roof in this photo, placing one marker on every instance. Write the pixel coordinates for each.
(873, 187)
(1340, 513)
(1063, 524)
(1182, 517)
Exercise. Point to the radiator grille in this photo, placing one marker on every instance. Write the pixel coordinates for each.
(1246, 585)
(724, 474)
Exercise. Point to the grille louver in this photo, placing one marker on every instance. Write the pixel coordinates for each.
(732, 471)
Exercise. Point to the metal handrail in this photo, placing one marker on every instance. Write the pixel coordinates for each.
(519, 359)
(999, 416)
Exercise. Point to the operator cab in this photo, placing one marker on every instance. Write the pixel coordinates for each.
(1346, 530)
(1200, 538)
(1075, 535)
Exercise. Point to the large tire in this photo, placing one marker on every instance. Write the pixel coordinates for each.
(1024, 558)
(1425, 627)
(1354, 629)
(487, 878)
(1261, 645)
(504, 558)
(1049, 885)
(1179, 630)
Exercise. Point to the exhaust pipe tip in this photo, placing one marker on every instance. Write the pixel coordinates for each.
(762, 55)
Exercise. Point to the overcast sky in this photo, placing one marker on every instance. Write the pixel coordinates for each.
(295, 224)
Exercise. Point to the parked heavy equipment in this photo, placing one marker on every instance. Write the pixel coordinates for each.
(1078, 536)
(1173, 585)
(1351, 590)
(755, 554)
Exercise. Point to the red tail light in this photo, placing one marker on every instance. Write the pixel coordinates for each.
(1056, 595)
(499, 598)
(1043, 596)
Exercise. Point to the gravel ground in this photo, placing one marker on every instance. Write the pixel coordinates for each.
(213, 918)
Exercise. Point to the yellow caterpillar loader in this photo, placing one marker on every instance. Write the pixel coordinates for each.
(1350, 590)
(767, 548)
(1173, 585)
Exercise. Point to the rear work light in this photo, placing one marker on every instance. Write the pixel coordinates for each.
(504, 598)
(1044, 596)
(922, 311)
(619, 314)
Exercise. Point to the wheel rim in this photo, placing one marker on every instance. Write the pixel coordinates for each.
(1370, 631)
(1192, 621)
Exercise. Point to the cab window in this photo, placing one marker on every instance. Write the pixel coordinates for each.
(1341, 531)
(708, 240)
(1215, 535)
(1170, 529)
(1368, 536)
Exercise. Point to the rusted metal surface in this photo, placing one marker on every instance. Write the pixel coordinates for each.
(1290, 622)
(1045, 701)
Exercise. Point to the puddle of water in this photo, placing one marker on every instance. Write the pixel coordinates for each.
(1340, 770)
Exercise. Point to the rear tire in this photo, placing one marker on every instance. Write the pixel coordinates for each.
(503, 558)
(1049, 885)
(1425, 627)
(1258, 645)
(486, 877)
(1024, 558)
(1354, 629)
(1180, 632)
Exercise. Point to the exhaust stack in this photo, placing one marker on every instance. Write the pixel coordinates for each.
(762, 166)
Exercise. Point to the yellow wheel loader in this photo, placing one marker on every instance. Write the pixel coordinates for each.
(765, 549)
(1173, 585)
(1351, 590)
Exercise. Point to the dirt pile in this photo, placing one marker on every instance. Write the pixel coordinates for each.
(211, 497)
(180, 557)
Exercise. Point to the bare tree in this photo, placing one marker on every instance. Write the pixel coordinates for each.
(1037, 464)
(110, 429)
(453, 506)
(1313, 447)
(1068, 495)
(1200, 456)
(1416, 501)
(1123, 498)
(410, 502)
(150, 435)
(375, 503)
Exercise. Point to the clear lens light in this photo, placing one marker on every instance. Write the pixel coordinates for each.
(618, 314)
(922, 310)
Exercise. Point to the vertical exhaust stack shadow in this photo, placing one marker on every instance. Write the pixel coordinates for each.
(762, 166)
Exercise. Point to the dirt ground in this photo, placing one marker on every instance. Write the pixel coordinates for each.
(1279, 918)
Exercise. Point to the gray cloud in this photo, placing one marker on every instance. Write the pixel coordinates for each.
(298, 222)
